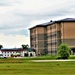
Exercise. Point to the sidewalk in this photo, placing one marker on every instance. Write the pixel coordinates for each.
(52, 60)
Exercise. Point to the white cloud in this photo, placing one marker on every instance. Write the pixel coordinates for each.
(16, 16)
(36, 22)
(26, 11)
(11, 41)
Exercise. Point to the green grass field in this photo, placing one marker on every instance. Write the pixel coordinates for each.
(27, 67)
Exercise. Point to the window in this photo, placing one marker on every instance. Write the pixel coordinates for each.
(50, 27)
(45, 44)
(35, 31)
(31, 31)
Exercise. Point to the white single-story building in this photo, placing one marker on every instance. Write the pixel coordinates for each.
(16, 51)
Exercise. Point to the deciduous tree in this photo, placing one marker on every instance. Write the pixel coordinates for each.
(25, 46)
(1, 46)
(64, 51)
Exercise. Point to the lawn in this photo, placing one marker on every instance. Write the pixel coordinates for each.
(27, 67)
(47, 57)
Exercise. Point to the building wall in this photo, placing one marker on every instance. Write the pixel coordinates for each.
(49, 38)
(21, 53)
(41, 40)
(38, 40)
(33, 37)
(69, 33)
(9, 53)
(58, 35)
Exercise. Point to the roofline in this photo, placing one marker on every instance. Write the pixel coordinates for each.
(11, 50)
(41, 25)
(63, 21)
(37, 26)
(58, 21)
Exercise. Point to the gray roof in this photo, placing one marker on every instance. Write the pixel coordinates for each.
(67, 20)
(47, 23)
(52, 22)
(12, 49)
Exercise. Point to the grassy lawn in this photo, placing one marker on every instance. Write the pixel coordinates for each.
(44, 57)
(47, 57)
(27, 67)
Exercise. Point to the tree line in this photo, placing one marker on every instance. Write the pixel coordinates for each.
(23, 46)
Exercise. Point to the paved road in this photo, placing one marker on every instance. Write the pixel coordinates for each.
(53, 60)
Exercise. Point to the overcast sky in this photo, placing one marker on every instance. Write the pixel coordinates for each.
(17, 16)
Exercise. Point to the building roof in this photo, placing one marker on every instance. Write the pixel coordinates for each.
(13, 49)
(52, 22)
(47, 23)
(67, 20)
(43, 24)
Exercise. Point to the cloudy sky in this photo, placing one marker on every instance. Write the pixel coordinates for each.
(17, 16)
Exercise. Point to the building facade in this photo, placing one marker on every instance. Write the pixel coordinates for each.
(16, 52)
(46, 37)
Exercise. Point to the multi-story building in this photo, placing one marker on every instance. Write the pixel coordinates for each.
(46, 37)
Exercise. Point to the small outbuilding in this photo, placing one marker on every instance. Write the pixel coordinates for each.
(16, 52)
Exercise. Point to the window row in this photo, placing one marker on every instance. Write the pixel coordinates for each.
(51, 27)
(52, 43)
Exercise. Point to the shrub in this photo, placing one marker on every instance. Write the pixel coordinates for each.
(64, 51)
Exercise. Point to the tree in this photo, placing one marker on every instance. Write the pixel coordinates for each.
(1, 46)
(25, 46)
(64, 51)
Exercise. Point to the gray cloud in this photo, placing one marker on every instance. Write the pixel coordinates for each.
(17, 16)
(9, 2)
(14, 31)
(21, 16)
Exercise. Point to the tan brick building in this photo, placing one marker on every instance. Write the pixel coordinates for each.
(46, 37)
